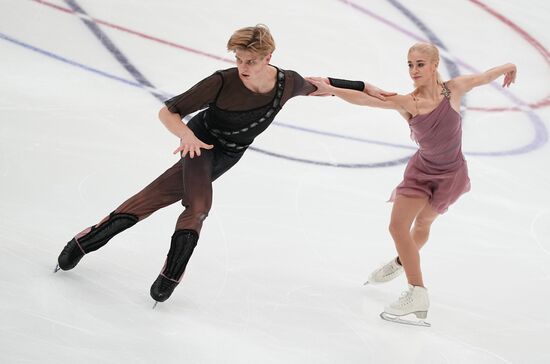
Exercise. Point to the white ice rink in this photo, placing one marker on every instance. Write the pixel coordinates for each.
(277, 275)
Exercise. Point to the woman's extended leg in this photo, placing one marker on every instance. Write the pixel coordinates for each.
(420, 233)
(415, 300)
(404, 212)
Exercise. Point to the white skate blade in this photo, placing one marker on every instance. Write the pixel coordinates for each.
(399, 320)
(373, 283)
(56, 268)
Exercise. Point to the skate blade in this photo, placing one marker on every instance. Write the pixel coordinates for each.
(398, 320)
(56, 268)
(155, 305)
(369, 282)
(373, 283)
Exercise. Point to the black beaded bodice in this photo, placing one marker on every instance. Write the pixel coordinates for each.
(236, 130)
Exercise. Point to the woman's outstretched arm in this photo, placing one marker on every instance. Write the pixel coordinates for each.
(353, 85)
(360, 98)
(463, 84)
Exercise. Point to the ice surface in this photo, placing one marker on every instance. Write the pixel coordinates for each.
(277, 275)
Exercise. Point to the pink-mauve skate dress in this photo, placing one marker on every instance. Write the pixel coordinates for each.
(438, 169)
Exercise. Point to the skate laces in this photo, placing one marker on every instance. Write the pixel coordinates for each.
(405, 298)
(389, 268)
(405, 294)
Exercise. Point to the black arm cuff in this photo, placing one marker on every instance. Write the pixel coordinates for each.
(352, 85)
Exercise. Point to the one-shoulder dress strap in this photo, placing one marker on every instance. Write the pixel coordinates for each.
(445, 92)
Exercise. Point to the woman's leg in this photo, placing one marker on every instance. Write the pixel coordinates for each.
(421, 229)
(405, 210)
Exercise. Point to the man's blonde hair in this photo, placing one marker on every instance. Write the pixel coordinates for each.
(256, 39)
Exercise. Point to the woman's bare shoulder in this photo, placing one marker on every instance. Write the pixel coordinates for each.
(400, 99)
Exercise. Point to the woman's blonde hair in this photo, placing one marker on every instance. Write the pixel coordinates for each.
(256, 39)
(431, 51)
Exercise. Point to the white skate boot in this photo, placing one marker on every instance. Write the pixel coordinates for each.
(385, 273)
(414, 301)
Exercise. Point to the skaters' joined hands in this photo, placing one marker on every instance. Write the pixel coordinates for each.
(324, 88)
(189, 143)
(322, 84)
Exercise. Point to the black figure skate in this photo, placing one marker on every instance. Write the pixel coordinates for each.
(92, 239)
(182, 246)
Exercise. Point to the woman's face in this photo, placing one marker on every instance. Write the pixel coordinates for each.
(421, 68)
(250, 64)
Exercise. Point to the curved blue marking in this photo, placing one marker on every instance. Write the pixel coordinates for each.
(68, 61)
(541, 136)
(341, 136)
(541, 133)
(333, 164)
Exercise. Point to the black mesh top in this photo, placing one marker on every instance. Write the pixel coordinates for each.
(234, 114)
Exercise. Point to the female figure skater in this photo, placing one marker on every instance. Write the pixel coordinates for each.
(435, 176)
(239, 103)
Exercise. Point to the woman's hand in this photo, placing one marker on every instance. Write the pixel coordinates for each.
(322, 84)
(510, 76)
(189, 143)
(377, 92)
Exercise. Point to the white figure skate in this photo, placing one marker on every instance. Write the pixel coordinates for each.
(385, 273)
(414, 301)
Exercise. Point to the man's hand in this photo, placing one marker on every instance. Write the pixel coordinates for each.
(189, 143)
